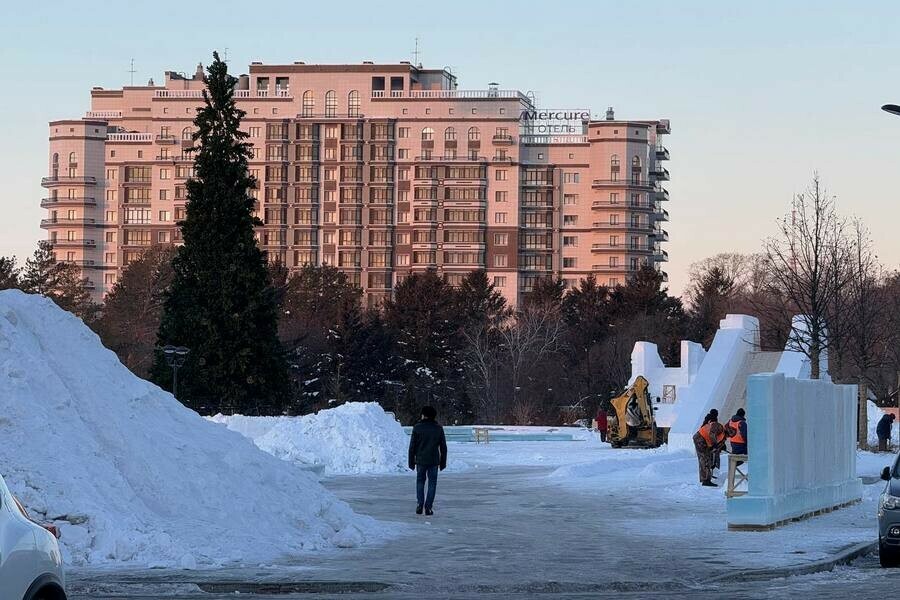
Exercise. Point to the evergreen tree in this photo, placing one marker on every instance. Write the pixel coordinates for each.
(221, 304)
(9, 273)
(424, 317)
(547, 293)
(709, 298)
(585, 311)
(479, 302)
(60, 281)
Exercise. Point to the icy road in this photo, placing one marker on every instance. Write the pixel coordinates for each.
(512, 530)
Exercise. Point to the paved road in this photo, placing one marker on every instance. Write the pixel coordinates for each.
(497, 534)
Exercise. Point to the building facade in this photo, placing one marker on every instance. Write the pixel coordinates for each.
(380, 170)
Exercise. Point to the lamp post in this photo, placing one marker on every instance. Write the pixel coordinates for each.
(175, 357)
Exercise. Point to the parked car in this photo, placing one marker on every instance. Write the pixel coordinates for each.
(889, 517)
(30, 562)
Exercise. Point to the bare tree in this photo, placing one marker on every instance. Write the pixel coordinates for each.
(807, 266)
(535, 336)
(482, 357)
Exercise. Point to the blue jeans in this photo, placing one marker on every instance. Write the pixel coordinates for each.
(422, 472)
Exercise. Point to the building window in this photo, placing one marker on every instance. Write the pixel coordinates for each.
(162, 237)
(569, 263)
(499, 260)
(330, 103)
(500, 196)
(403, 132)
(570, 240)
(570, 199)
(164, 173)
(110, 257)
(403, 260)
(427, 134)
(164, 216)
(614, 198)
(499, 281)
(353, 103)
(450, 134)
(474, 135)
(501, 239)
(571, 178)
(570, 219)
(402, 153)
(500, 175)
(500, 217)
(309, 104)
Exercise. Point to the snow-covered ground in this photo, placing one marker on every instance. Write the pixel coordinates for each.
(677, 507)
(352, 438)
(129, 474)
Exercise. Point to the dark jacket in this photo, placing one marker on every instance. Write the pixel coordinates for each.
(884, 427)
(427, 445)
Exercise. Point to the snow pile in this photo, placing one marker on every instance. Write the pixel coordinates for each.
(129, 474)
(357, 437)
(874, 414)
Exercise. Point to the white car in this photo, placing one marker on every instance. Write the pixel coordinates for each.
(30, 562)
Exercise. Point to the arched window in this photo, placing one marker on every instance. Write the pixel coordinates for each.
(427, 134)
(474, 134)
(614, 160)
(73, 159)
(450, 134)
(309, 104)
(54, 166)
(614, 167)
(330, 103)
(636, 162)
(187, 134)
(353, 103)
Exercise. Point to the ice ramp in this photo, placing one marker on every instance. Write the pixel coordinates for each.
(753, 363)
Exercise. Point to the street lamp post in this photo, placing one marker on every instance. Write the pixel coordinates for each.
(175, 357)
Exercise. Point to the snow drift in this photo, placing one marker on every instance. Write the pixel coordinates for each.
(357, 437)
(129, 474)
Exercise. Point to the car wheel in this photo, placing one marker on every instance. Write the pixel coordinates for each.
(887, 556)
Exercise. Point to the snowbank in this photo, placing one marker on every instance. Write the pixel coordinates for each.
(129, 474)
(357, 437)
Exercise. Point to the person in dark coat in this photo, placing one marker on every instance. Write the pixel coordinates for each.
(883, 429)
(427, 454)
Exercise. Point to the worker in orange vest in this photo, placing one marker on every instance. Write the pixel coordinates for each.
(708, 441)
(738, 424)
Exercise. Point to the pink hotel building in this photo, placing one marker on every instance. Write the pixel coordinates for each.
(380, 170)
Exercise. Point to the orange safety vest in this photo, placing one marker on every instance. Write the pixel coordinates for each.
(707, 437)
(738, 437)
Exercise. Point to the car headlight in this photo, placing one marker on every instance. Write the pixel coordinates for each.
(889, 502)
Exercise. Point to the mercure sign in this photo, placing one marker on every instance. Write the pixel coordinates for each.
(554, 121)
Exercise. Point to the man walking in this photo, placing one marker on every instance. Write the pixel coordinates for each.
(883, 429)
(427, 454)
(602, 423)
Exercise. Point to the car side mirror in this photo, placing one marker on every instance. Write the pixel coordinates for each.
(886, 474)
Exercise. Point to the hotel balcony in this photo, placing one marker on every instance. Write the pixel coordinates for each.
(452, 159)
(660, 235)
(503, 139)
(103, 115)
(81, 262)
(64, 243)
(661, 193)
(641, 227)
(487, 94)
(662, 215)
(633, 206)
(129, 137)
(166, 139)
(660, 172)
(622, 248)
(45, 223)
(662, 153)
(537, 183)
(55, 180)
(66, 201)
(617, 268)
(661, 256)
(623, 183)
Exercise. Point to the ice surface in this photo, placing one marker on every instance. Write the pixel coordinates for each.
(131, 475)
(802, 443)
(357, 437)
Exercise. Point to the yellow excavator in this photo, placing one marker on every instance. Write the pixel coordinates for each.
(631, 421)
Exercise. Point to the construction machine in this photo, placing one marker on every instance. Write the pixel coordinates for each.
(631, 420)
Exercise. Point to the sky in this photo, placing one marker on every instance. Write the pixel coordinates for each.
(760, 95)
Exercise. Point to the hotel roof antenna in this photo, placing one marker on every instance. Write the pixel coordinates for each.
(132, 71)
(416, 55)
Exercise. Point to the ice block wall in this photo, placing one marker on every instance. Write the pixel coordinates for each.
(802, 449)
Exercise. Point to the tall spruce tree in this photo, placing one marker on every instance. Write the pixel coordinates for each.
(221, 304)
